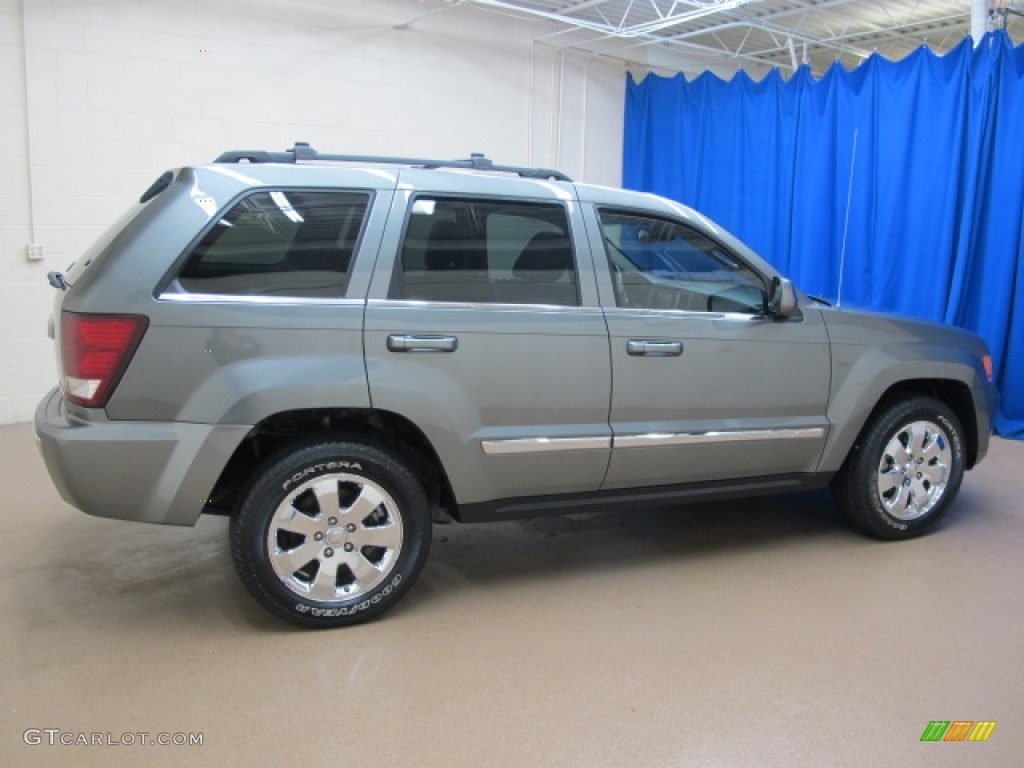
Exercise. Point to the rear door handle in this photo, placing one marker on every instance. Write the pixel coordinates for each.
(654, 348)
(404, 343)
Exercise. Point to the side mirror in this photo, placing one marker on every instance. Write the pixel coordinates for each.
(782, 300)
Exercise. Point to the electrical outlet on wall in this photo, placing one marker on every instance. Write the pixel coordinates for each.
(35, 252)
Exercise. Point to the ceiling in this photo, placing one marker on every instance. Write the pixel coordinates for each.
(754, 34)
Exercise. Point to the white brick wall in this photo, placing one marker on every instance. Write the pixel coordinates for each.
(97, 98)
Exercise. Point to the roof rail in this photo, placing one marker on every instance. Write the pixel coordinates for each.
(303, 152)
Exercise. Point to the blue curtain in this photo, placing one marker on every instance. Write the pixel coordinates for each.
(898, 186)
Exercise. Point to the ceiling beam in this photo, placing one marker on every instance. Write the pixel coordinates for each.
(697, 9)
(581, 7)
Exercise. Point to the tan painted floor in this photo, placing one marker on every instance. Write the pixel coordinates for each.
(762, 633)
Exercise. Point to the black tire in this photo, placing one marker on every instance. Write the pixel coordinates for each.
(893, 493)
(356, 512)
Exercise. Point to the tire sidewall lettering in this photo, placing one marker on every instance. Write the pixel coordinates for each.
(315, 469)
(349, 610)
(953, 434)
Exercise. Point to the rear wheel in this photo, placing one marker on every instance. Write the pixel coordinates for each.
(904, 470)
(332, 533)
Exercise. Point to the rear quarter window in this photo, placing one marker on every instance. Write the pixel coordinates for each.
(279, 243)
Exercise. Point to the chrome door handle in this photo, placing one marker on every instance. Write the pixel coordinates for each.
(403, 343)
(654, 348)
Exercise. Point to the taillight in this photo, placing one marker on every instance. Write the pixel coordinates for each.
(95, 350)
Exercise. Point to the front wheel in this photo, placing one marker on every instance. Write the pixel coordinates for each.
(331, 534)
(904, 470)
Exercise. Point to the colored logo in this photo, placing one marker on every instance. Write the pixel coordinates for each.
(958, 730)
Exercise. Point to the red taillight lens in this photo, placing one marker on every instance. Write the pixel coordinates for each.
(95, 350)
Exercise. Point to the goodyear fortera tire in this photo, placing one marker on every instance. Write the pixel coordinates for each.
(331, 534)
(904, 471)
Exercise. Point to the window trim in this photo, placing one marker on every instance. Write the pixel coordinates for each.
(186, 297)
(493, 306)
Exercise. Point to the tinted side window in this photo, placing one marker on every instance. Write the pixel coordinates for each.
(280, 243)
(478, 251)
(659, 264)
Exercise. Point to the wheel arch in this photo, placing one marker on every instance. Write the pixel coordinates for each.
(282, 431)
(953, 393)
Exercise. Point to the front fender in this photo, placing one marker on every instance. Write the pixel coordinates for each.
(865, 368)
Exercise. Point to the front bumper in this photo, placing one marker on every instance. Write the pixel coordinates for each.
(154, 472)
(986, 405)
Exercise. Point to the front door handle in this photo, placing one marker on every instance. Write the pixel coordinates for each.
(404, 343)
(654, 348)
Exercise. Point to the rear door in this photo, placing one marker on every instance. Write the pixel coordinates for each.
(706, 387)
(483, 329)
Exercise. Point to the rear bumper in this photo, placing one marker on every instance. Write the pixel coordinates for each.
(153, 472)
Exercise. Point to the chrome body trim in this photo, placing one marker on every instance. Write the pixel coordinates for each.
(544, 445)
(684, 314)
(224, 298)
(652, 440)
(488, 306)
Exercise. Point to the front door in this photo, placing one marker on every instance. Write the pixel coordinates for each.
(706, 386)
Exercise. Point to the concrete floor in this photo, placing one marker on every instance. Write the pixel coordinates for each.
(760, 633)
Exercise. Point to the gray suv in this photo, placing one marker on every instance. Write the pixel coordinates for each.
(337, 352)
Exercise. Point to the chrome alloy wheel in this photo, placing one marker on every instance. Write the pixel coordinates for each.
(335, 537)
(914, 470)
